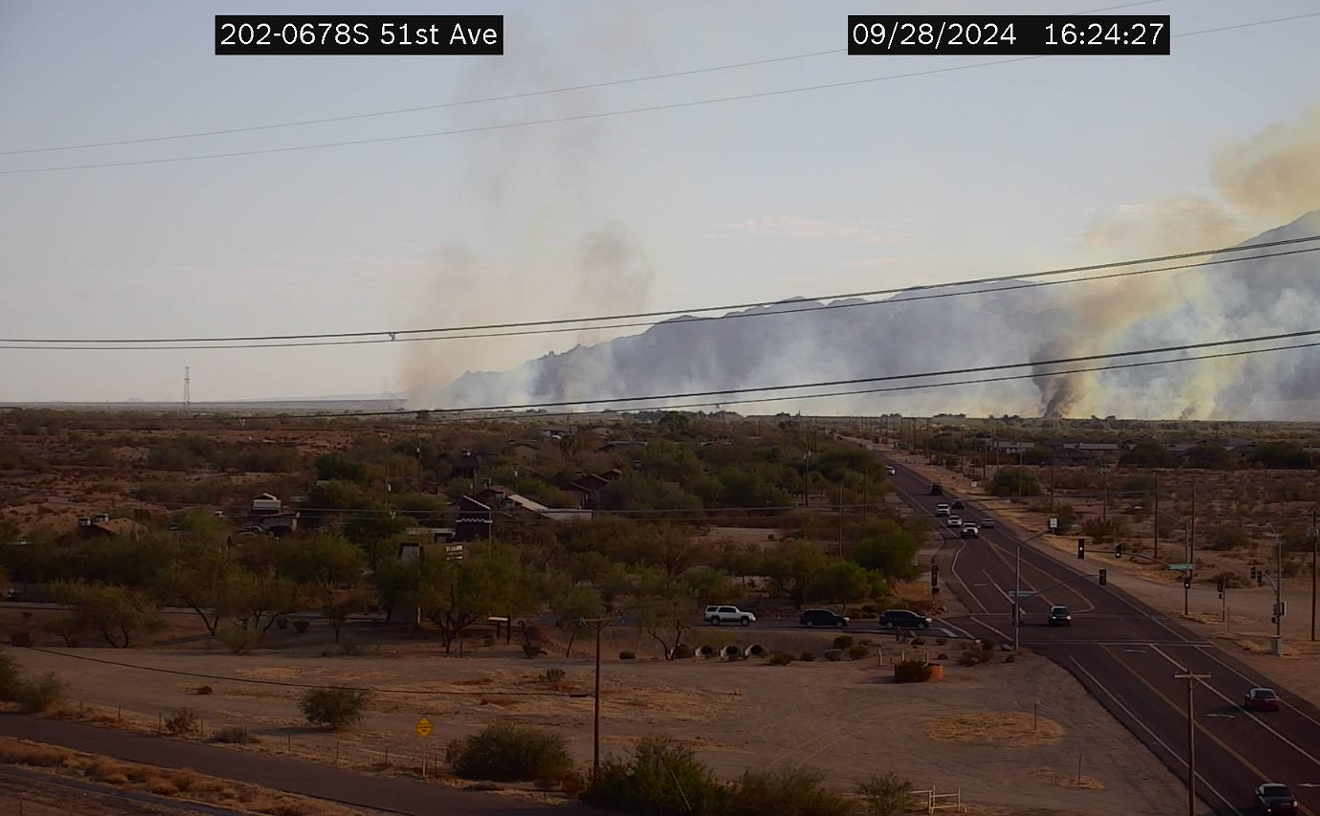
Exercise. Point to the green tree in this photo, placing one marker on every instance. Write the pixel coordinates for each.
(1210, 456)
(115, 612)
(845, 582)
(662, 609)
(887, 547)
(570, 603)
(339, 606)
(1149, 454)
(793, 565)
(1279, 455)
(208, 581)
(711, 585)
(339, 465)
(455, 594)
(1013, 482)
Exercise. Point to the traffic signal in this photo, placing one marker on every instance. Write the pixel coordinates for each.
(934, 575)
(1187, 581)
(1081, 548)
(1118, 550)
(1104, 577)
(1255, 571)
(1219, 587)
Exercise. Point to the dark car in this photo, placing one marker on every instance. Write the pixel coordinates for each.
(987, 524)
(936, 490)
(1275, 798)
(822, 617)
(903, 619)
(958, 505)
(1060, 616)
(1261, 699)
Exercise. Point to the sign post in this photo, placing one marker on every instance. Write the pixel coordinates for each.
(424, 729)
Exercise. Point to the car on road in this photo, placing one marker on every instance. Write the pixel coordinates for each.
(822, 617)
(1275, 798)
(1261, 699)
(1060, 616)
(903, 619)
(970, 531)
(941, 509)
(958, 505)
(891, 470)
(987, 524)
(715, 615)
(936, 489)
(955, 521)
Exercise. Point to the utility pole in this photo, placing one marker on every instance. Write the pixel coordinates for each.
(1020, 473)
(840, 520)
(1277, 581)
(1017, 591)
(599, 625)
(1192, 679)
(866, 477)
(1052, 450)
(1155, 519)
(1314, 534)
(187, 391)
(1104, 493)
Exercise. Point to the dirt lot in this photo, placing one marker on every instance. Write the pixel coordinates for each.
(846, 718)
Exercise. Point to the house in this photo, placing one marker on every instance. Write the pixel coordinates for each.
(265, 504)
(585, 489)
(102, 526)
(503, 500)
(475, 520)
(617, 444)
(467, 466)
(278, 524)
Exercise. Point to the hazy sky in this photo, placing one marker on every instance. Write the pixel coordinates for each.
(991, 170)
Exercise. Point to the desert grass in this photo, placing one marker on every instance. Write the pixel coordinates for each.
(1001, 728)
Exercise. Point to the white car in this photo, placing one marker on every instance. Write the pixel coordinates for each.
(970, 531)
(942, 509)
(891, 470)
(715, 615)
(955, 521)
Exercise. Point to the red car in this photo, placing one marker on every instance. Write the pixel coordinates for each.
(1261, 699)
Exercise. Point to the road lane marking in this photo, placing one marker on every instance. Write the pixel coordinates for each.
(1132, 716)
(1246, 763)
(1250, 714)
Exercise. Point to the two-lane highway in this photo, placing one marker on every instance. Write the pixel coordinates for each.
(1126, 654)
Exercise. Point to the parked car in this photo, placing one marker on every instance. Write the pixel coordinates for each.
(941, 509)
(1060, 616)
(891, 470)
(1275, 798)
(822, 617)
(958, 505)
(955, 521)
(715, 615)
(970, 531)
(903, 619)
(987, 524)
(1261, 699)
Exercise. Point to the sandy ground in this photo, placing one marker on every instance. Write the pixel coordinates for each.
(846, 718)
(1247, 630)
(25, 797)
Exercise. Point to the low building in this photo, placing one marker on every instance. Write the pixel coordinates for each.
(466, 467)
(475, 520)
(102, 526)
(266, 504)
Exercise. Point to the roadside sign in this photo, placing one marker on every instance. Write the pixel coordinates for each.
(1021, 593)
(1182, 567)
(424, 727)
(1054, 524)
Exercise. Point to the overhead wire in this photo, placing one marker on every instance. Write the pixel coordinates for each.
(548, 326)
(591, 116)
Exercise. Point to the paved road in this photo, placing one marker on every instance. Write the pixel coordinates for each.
(1125, 653)
(414, 798)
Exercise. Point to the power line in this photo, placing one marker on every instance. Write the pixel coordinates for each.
(555, 325)
(597, 115)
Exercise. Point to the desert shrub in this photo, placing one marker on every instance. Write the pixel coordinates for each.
(1230, 538)
(300, 626)
(334, 707)
(238, 639)
(67, 628)
(780, 659)
(661, 778)
(911, 671)
(940, 641)
(21, 639)
(859, 651)
(683, 651)
(233, 735)
(987, 644)
(511, 753)
(627, 656)
(11, 678)
(351, 645)
(918, 641)
(865, 641)
(1011, 482)
(941, 656)
(807, 657)
(968, 658)
(40, 693)
(885, 795)
(181, 721)
(843, 641)
(792, 791)
(1012, 658)
(531, 651)
(833, 655)
(553, 676)
(202, 691)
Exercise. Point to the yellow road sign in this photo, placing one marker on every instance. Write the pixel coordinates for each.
(424, 727)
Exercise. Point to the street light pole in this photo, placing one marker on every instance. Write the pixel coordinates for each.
(1017, 592)
(1314, 534)
(1192, 680)
(599, 625)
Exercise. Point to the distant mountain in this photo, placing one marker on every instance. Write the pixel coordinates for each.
(930, 330)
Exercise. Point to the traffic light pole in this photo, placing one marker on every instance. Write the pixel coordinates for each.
(1192, 680)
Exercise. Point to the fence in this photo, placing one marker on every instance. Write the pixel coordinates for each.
(940, 801)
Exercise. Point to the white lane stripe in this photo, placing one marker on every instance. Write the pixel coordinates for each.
(1153, 735)
(1250, 714)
